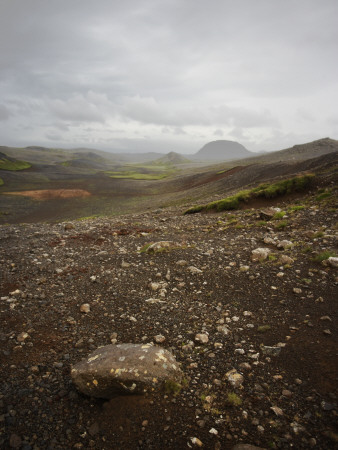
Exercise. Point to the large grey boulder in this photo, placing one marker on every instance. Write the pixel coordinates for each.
(125, 369)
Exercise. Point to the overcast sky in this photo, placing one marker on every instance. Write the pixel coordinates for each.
(165, 75)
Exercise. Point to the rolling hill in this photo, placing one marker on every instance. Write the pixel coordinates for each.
(222, 150)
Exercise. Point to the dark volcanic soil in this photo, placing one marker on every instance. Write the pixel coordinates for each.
(288, 400)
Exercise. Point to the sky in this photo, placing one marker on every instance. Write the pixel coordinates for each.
(167, 75)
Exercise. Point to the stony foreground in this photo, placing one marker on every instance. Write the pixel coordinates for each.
(256, 338)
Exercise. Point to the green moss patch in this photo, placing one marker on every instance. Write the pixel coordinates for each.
(5, 164)
(268, 191)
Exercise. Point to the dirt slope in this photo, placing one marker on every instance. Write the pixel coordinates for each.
(288, 395)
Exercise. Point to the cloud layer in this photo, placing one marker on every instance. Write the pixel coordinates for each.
(167, 75)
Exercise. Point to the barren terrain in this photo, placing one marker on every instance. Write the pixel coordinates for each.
(274, 321)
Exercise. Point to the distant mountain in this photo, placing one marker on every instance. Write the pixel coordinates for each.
(222, 150)
(171, 158)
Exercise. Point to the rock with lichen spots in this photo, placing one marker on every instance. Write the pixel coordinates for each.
(125, 369)
(234, 378)
(260, 254)
(159, 246)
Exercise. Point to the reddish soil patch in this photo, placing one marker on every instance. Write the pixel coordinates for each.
(49, 194)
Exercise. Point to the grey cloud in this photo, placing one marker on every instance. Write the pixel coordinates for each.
(4, 112)
(141, 67)
(77, 108)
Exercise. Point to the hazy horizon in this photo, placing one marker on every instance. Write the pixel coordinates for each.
(167, 76)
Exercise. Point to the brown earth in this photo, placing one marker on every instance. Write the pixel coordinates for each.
(50, 194)
(49, 270)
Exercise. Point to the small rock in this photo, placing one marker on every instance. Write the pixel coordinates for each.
(213, 431)
(286, 393)
(277, 411)
(182, 262)
(159, 339)
(285, 259)
(224, 330)
(297, 290)
(194, 270)
(85, 308)
(159, 246)
(234, 378)
(196, 442)
(272, 351)
(285, 244)
(245, 366)
(326, 406)
(327, 332)
(326, 318)
(268, 213)
(22, 337)
(260, 254)
(202, 338)
(333, 261)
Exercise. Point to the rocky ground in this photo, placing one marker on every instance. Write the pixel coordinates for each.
(271, 323)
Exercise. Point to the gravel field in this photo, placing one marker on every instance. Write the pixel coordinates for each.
(256, 340)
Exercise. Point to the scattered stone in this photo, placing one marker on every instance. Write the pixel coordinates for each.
(285, 244)
(234, 378)
(159, 246)
(224, 330)
(196, 442)
(124, 368)
(154, 300)
(328, 318)
(269, 241)
(260, 254)
(333, 261)
(271, 351)
(202, 338)
(297, 290)
(213, 431)
(327, 332)
(194, 270)
(68, 226)
(277, 411)
(326, 406)
(268, 213)
(22, 337)
(245, 366)
(85, 308)
(285, 259)
(154, 286)
(159, 339)
(182, 262)
(286, 393)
